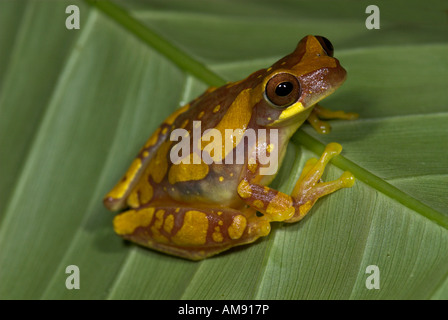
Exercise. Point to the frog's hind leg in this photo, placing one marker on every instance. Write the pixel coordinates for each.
(116, 199)
(192, 233)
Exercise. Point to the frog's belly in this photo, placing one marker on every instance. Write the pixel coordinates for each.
(218, 187)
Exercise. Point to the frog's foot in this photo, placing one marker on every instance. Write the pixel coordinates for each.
(309, 187)
(187, 232)
(320, 112)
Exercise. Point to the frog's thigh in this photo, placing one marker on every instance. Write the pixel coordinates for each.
(190, 232)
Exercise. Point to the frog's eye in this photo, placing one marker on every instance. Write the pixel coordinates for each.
(283, 89)
(326, 45)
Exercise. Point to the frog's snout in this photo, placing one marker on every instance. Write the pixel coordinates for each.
(321, 83)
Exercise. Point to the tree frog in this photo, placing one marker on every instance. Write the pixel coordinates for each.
(198, 208)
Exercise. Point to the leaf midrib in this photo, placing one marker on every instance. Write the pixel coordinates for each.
(160, 44)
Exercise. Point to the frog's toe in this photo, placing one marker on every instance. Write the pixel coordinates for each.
(319, 125)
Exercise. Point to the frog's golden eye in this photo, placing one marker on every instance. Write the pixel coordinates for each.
(326, 45)
(283, 89)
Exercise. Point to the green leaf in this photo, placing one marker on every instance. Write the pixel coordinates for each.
(76, 106)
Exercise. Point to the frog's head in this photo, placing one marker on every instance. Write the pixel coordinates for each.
(297, 82)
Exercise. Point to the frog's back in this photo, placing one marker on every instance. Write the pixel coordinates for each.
(183, 170)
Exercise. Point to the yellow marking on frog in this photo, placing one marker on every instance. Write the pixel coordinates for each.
(280, 207)
(201, 114)
(169, 223)
(269, 69)
(177, 210)
(145, 154)
(231, 84)
(157, 236)
(193, 230)
(146, 192)
(236, 119)
(159, 219)
(304, 208)
(133, 200)
(186, 172)
(252, 167)
(141, 194)
(270, 147)
(292, 110)
(121, 187)
(184, 124)
(159, 165)
(258, 204)
(155, 228)
(283, 63)
(216, 109)
(170, 120)
(310, 62)
(211, 89)
(219, 213)
(231, 174)
(266, 189)
(261, 229)
(153, 139)
(220, 221)
(164, 130)
(217, 236)
(237, 227)
(128, 221)
(221, 178)
(244, 189)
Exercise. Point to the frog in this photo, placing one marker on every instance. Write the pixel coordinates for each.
(196, 209)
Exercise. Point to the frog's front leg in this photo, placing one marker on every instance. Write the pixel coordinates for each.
(188, 232)
(320, 112)
(278, 206)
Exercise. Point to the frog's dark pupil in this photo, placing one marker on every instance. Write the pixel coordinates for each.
(283, 89)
